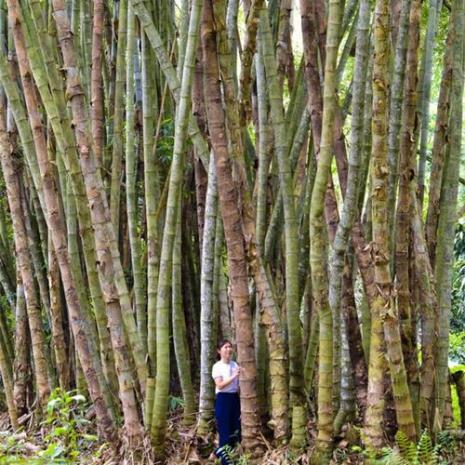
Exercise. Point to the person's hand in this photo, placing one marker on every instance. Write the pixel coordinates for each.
(236, 372)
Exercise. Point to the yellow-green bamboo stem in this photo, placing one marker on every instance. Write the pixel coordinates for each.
(291, 234)
(139, 301)
(163, 301)
(318, 245)
(448, 206)
(118, 119)
(179, 328)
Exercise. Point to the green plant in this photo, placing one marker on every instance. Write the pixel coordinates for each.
(446, 447)
(409, 453)
(175, 402)
(232, 454)
(66, 425)
(457, 319)
(11, 447)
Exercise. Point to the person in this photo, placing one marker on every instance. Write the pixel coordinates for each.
(225, 373)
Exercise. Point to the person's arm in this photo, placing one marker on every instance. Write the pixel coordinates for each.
(221, 382)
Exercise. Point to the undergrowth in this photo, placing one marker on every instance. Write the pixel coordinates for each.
(67, 437)
(445, 451)
(64, 435)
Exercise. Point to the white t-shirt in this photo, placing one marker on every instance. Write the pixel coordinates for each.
(226, 370)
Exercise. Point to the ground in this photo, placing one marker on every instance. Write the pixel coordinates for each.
(49, 444)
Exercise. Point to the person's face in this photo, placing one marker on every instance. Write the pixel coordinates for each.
(226, 351)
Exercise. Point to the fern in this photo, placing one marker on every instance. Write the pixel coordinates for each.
(425, 452)
(395, 458)
(408, 449)
(409, 453)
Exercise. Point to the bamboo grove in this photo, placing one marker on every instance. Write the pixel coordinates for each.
(284, 174)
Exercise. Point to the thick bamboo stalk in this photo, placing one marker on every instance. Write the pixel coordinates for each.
(56, 318)
(448, 206)
(264, 154)
(20, 364)
(403, 213)
(37, 260)
(56, 226)
(208, 318)
(163, 295)
(383, 306)
(434, 7)
(220, 298)
(11, 176)
(318, 245)
(179, 328)
(373, 432)
(291, 234)
(232, 221)
(350, 207)
(248, 49)
(152, 194)
(118, 119)
(85, 42)
(284, 55)
(429, 314)
(5, 362)
(131, 162)
(395, 108)
(79, 281)
(233, 35)
(267, 301)
(109, 261)
(57, 112)
(439, 150)
(96, 81)
(354, 336)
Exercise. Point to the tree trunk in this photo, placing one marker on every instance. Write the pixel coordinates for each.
(97, 114)
(296, 387)
(12, 180)
(230, 213)
(163, 295)
(118, 119)
(318, 261)
(448, 206)
(404, 210)
(181, 350)
(439, 150)
(383, 305)
(208, 317)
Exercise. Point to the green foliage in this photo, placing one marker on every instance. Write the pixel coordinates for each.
(443, 452)
(458, 281)
(458, 294)
(408, 453)
(457, 347)
(65, 416)
(406, 448)
(446, 447)
(165, 141)
(456, 420)
(457, 319)
(235, 457)
(66, 434)
(175, 403)
(425, 451)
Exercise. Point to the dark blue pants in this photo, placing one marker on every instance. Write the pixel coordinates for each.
(228, 422)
